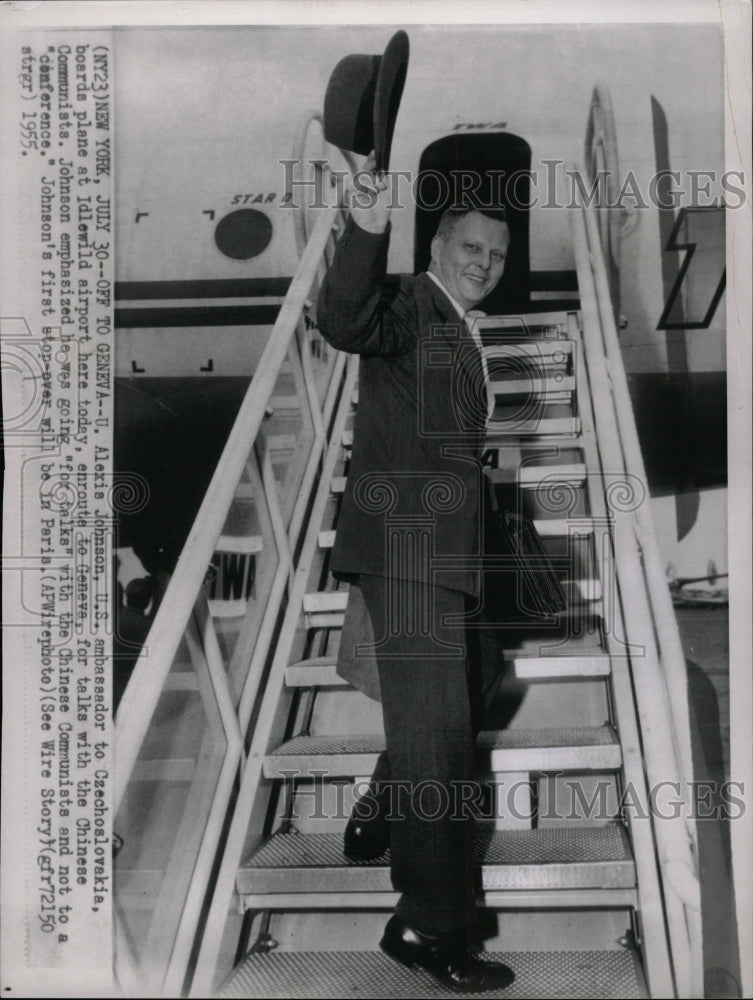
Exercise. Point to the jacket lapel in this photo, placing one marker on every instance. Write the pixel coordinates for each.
(470, 383)
(446, 315)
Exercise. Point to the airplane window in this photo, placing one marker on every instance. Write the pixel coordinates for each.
(243, 234)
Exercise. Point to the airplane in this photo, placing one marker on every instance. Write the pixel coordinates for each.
(218, 137)
(170, 225)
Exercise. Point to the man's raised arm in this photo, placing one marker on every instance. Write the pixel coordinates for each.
(360, 310)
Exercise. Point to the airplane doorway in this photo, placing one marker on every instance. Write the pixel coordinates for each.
(492, 166)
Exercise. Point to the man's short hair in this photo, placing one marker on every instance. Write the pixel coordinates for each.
(452, 215)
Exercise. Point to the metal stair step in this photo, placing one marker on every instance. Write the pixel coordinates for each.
(325, 600)
(560, 641)
(326, 608)
(588, 612)
(240, 544)
(281, 442)
(595, 857)
(544, 668)
(546, 527)
(539, 328)
(564, 526)
(320, 671)
(554, 350)
(342, 975)
(526, 475)
(532, 475)
(537, 384)
(583, 748)
(534, 428)
(337, 600)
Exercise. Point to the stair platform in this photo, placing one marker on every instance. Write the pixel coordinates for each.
(596, 857)
(320, 671)
(554, 527)
(342, 975)
(326, 609)
(582, 748)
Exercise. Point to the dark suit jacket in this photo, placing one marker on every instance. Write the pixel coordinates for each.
(411, 508)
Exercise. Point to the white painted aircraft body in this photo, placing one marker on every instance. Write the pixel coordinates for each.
(205, 119)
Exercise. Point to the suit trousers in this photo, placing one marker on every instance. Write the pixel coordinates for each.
(432, 701)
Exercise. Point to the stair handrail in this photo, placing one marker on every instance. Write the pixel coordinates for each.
(676, 843)
(665, 620)
(150, 672)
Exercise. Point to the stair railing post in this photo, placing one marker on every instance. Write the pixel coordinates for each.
(673, 839)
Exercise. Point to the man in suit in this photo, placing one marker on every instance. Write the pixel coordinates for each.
(410, 539)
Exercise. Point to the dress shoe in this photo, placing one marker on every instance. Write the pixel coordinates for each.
(367, 835)
(446, 957)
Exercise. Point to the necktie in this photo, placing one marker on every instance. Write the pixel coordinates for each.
(469, 319)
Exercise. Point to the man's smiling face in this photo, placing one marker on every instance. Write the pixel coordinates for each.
(470, 258)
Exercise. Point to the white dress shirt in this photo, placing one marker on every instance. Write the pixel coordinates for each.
(467, 317)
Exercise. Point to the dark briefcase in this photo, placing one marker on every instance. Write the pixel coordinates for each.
(538, 592)
(520, 583)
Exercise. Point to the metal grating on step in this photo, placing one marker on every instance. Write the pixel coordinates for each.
(527, 739)
(354, 743)
(553, 846)
(556, 845)
(343, 975)
(503, 739)
(583, 857)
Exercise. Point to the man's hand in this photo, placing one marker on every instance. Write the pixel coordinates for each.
(370, 199)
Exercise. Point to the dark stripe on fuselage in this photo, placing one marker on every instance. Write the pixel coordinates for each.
(237, 288)
(202, 288)
(163, 317)
(189, 316)
(554, 281)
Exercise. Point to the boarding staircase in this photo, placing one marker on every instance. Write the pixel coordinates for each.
(236, 721)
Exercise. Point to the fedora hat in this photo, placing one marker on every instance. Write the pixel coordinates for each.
(362, 100)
